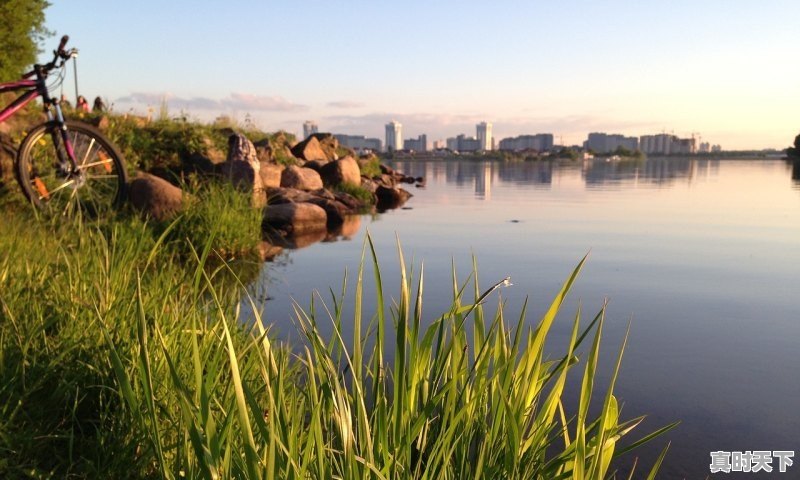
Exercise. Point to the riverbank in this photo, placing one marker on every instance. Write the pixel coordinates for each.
(123, 354)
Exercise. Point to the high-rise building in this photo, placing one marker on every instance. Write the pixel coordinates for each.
(419, 144)
(310, 127)
(394, 136)
(484, 135)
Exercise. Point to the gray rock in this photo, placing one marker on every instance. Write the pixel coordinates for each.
(243, 168)
(155, 196)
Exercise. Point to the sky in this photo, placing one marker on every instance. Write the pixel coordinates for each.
(726, 71)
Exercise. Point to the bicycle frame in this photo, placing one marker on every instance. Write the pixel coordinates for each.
(33, 89)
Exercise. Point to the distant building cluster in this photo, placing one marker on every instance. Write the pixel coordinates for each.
(360, 142)
(541, 142)
(419, 144)
(664, 144)
(605, 143)
(597, 142)
(309, 128)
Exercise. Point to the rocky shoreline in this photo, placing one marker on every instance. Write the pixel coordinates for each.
(308, 193)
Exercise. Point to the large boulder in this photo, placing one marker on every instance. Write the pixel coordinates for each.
(243, 168)
(309, 149)
(344, 170)
(300, 178)
(295, 218)
(329, 145)
(155, 196)
(270, 174)
(391, 197)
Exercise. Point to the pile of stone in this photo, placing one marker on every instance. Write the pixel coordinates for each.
(298, 199)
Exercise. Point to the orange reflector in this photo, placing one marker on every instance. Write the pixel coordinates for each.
(43, 193)
(106, 161)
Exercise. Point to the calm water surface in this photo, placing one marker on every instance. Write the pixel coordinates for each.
(701, 256)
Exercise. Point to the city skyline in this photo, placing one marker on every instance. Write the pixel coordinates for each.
(572, 68)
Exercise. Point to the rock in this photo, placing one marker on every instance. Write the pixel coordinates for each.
(309, 149)
(344, 170)
(352, 203)
(287, 195)
(267, 251)
(390, 198)
(155, 196)
(300, 178)
(270, 174)
(368, 184)
(335, 210)
(386, 169)
(386, 180)
(316, 165)
(329, 145)
(243, 168)
(295, 218)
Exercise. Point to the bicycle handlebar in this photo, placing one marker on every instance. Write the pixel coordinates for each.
(61, 45)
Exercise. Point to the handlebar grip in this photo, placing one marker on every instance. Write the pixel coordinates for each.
(63, 43)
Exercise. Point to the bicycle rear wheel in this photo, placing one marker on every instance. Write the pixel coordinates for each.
(48, 180)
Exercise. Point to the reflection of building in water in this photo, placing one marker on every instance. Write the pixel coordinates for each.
(483, 181)
(526, 173)
(653, 171)
(796, 171)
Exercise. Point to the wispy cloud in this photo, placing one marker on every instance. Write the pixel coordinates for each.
(345, 104)
(235, 101)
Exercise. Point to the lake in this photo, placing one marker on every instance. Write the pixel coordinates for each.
(702, 257)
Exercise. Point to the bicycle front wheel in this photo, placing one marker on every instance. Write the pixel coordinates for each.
(95, 184)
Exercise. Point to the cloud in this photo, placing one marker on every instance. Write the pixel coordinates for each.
(235, 101)
(345, 104)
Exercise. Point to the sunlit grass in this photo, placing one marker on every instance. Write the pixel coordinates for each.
(121, 358)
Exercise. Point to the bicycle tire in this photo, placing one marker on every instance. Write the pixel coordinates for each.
(47, 183)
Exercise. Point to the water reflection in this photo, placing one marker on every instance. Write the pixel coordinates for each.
(484, 175)
(795, 172)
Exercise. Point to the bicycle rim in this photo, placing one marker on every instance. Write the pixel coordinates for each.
(52, 186)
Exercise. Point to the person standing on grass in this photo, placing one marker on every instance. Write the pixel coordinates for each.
(82, 105)
(99, 106)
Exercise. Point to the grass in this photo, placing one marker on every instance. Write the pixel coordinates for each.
(120, 358)
(217, 214)
(358, 192)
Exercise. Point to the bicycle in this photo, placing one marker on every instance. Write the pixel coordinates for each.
(64, 166)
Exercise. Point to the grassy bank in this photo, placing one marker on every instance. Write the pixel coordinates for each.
(123, 355)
